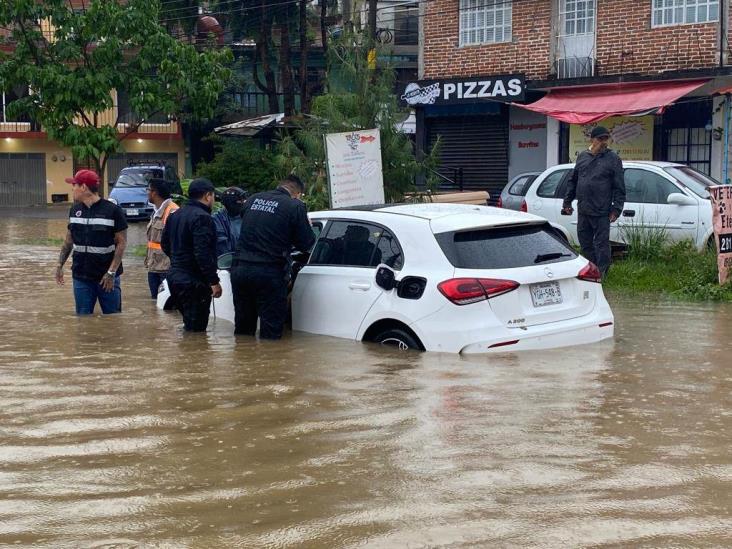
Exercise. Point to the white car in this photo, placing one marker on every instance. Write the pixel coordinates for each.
(443, 277)
(659, 195)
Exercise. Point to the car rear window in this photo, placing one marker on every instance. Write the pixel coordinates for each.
(521, 186)
(505, 247)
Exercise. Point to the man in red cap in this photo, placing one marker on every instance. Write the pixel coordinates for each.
(97, 236)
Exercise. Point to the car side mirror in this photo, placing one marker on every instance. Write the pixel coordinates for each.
(680, 200)
(385, 278)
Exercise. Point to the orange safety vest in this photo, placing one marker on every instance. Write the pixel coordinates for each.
(171, 207)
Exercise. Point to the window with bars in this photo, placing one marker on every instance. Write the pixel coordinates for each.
(680, 12)
(485, 21)
(690, 146)
(577, 17)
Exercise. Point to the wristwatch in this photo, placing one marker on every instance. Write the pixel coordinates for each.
(111, 273)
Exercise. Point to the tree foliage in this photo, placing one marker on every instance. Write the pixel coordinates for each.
(74, 61)
(240, 162)
(358, 98)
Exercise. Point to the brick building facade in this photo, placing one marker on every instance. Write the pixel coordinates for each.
(556, 44)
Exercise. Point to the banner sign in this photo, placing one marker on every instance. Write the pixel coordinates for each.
(461, 91)
(722, 223)
(632, 137)
(355, 175)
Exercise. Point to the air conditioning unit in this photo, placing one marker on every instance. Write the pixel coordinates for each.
(575, 67)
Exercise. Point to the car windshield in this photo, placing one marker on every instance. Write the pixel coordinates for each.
(695, 181)
(504, 247)
(131, 179)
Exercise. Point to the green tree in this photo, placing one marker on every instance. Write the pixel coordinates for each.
(358, 98)
(240, 162)
(74, 60)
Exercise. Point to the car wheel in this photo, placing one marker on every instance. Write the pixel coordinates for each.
(398, 338)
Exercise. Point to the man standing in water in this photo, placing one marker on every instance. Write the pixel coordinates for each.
(156, 261)
(598, 184)
(189, 240)
(97, 235)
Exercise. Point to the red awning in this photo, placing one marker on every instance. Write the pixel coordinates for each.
(586, 104)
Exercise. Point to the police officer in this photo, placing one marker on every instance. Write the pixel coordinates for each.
(598, 184)
(272, 223)
(228, 220)
(189, 240)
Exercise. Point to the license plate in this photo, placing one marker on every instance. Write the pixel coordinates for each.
(132, 212)
(545, 293)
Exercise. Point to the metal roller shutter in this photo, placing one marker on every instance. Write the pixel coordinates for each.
(22, 179)
(478, 145)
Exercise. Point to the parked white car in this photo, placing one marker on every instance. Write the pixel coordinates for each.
(659, 195)
(443, 277)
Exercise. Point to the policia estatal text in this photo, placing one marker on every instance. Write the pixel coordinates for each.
(272, 223)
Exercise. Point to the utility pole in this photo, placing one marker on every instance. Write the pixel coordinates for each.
(372, 19)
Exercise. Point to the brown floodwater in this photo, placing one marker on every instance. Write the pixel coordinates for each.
(121, 431)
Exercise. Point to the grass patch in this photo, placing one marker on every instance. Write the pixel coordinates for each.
(675, 271)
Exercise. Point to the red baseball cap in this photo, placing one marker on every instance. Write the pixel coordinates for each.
(85, 177)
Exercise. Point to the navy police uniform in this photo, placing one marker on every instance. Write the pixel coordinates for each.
(272, 223)
(189, 240)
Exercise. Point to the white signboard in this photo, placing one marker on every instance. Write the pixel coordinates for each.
(354, 168)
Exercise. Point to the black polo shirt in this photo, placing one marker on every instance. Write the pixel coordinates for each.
(92, 231)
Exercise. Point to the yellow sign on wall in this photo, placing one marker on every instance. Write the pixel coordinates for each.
(632, 137)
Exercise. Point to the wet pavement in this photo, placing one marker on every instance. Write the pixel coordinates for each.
(121, 431)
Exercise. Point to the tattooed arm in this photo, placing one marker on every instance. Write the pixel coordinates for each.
(66, 248)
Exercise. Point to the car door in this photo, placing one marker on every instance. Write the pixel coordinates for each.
(647, 207)
(545, 199)
(336, 289)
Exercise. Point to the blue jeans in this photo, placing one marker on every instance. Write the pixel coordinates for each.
(87, 292)
(154, 280)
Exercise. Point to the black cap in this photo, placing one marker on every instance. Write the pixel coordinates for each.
(199, 187)
(599, 131)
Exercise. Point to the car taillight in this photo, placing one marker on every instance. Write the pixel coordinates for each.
(464, 291)
(590, 273)
(524, 206)
(499, 204)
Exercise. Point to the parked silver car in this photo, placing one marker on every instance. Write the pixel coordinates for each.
(512, 195)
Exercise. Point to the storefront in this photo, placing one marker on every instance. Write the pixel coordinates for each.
(660, 120)
(471, 120)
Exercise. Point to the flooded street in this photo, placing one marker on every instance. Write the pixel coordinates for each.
(122, 431)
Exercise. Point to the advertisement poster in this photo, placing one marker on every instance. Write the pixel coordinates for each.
(632, 137)
(722, 223)
(354, 168)
(527, 142)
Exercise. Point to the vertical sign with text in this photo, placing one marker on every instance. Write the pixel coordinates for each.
(355, 175)
(722, 223)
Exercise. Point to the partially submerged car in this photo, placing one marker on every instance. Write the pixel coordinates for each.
(442, 277)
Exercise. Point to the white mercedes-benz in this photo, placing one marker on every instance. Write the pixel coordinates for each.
(441, 277)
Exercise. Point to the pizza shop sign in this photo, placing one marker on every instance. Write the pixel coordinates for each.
(465, 90)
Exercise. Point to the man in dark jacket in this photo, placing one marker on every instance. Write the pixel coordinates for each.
(189, 240)
(272, 223)
(228, 220)
(597, 183)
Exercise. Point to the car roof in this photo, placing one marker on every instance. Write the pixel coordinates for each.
(442, 217)
(654, 163)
